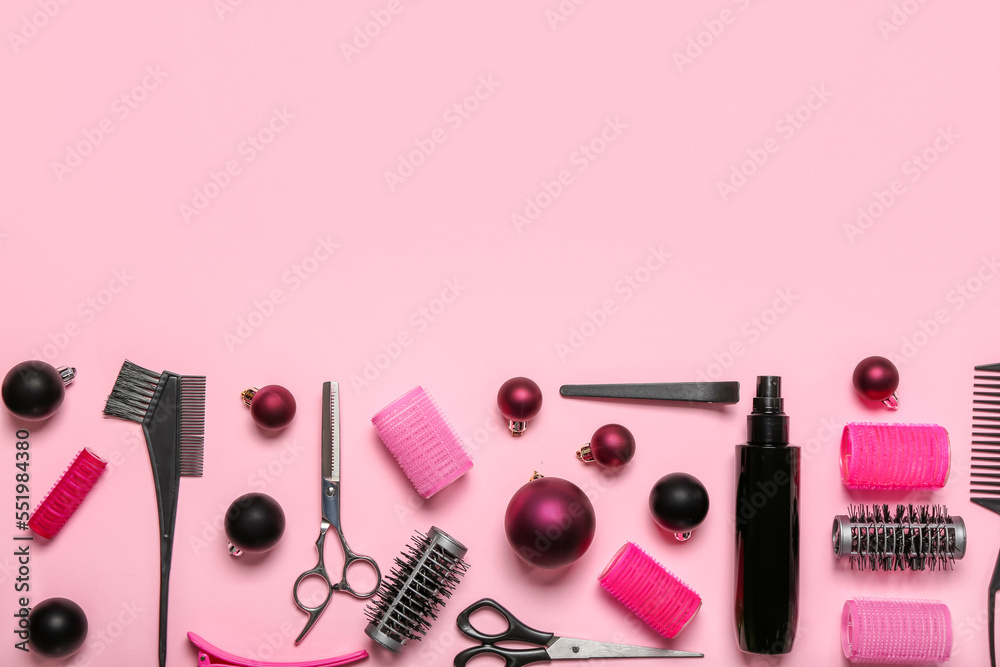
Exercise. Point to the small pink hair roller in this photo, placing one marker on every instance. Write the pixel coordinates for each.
(661, 600)
(894, 456)
(885, 631)
(67, 494)
(424, 444)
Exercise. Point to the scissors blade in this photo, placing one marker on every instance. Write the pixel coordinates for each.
(565, 648)
(331, 431)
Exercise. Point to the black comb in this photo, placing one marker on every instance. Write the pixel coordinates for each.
(171, 409)
(985, 474)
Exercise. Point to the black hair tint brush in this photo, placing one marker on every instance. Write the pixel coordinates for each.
(171, 409)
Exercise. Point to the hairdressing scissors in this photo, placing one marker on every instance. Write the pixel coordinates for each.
(550, 646)
(331, 516)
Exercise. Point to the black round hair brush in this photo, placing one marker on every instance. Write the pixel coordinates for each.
(423, 577)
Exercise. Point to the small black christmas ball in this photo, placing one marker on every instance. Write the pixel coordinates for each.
(679, 503)
(33, 390)
(57, 628)
(254, 524)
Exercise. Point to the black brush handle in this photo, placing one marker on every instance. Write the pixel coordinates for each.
(161, 428)
(691, 392)
(991, 608)
(166, 552)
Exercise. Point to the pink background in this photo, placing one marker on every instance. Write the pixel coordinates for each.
(522, 291)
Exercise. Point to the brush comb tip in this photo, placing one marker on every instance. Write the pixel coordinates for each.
(133, 392)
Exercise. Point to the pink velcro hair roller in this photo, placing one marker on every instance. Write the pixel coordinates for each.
(894, 456)
(661, 600)
(423, 442)
(67, 494)
(896, 632)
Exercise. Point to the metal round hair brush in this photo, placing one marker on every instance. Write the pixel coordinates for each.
(423, 577)
(921, 537)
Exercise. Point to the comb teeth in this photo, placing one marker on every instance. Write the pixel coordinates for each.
(422, 441)
(423, 577)
(661, 600)
(896, 632)
(192, 425)
(132, 393)
(985, 432)
(922, 537)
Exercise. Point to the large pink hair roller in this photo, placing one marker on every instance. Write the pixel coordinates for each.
(894, 456)
(886, 631)
(661, 600)
(67, 494)
(423, 442)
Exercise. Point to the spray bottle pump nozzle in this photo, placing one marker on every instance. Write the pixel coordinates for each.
(767, 424)
(768, 400)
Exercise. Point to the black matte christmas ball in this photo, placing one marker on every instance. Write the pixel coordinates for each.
(57, 628)
(254, 524)
(678, 503)
(33, 390)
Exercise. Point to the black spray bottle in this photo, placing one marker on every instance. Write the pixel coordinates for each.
(767, 527)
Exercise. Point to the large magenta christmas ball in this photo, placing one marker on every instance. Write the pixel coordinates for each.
(550, 522)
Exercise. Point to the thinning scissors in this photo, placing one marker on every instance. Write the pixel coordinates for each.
(331, 516)
(550, 646)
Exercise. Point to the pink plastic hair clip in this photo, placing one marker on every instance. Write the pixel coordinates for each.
(209, 655)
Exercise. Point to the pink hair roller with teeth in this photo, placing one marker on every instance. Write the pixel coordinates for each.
(656, 596)
(886, 631)
(67, 494)
(894, 456)
(423, 442)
